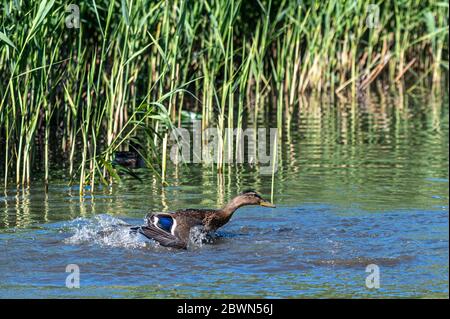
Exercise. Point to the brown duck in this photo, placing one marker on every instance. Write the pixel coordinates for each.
(173, 229)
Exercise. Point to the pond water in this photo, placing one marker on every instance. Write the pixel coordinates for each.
(356, 185)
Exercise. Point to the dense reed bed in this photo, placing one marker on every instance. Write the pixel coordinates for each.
(72, 95)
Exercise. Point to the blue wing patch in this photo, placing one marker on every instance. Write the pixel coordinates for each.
(165, 223)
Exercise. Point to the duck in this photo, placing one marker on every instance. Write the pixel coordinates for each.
(172, 229)
(128, 159)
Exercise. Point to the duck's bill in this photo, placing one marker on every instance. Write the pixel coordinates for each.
(267, 204)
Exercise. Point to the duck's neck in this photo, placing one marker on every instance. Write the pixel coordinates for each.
(232, 206)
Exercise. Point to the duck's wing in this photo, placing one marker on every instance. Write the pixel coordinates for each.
(163, 228)
(163, 237)
(172, 229)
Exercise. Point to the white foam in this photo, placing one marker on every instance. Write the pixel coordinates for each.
(104, 230)
(198, 237)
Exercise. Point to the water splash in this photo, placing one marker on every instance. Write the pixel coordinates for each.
(104, 230)
(198, 237)
(109, 231)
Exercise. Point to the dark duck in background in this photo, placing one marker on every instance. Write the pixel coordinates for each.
(173, 229)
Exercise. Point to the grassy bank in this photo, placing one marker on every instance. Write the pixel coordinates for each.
(78, 94)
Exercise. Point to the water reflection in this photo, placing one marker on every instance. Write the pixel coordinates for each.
(380, 155)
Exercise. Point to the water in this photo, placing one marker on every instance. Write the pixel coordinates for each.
(353, 188)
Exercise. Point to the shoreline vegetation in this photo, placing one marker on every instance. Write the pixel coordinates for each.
(130, 71)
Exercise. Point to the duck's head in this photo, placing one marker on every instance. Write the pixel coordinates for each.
(249, 197)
